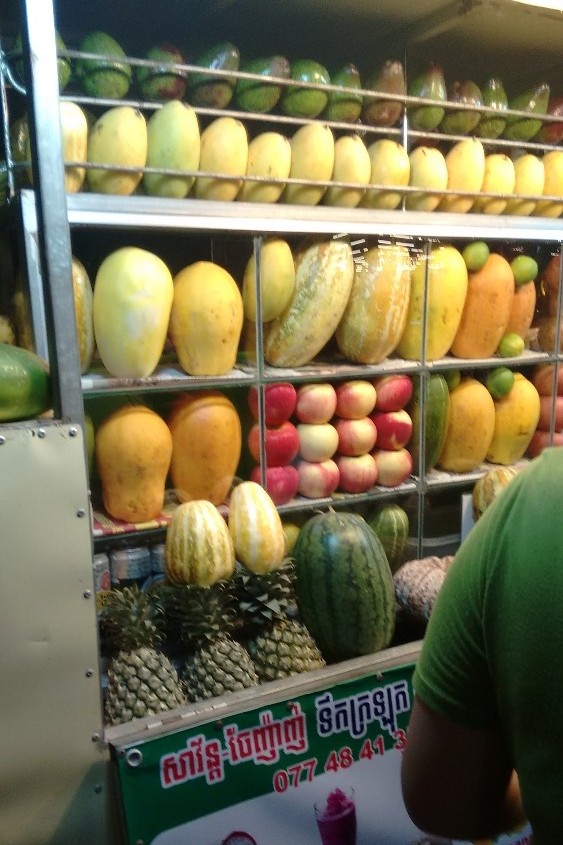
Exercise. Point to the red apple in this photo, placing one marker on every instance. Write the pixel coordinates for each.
(317, 441)
(281, 482)
(316, 403)
(317, 480)
(355, 399)
(394, 428)
(281, 444)
(279, 402)
(357, 473)
(355, 437)
(393, 466)
(393, 392)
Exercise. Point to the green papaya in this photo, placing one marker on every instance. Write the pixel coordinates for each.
(306, 102)
(109, 75)
(436, 411)
(254, 96)
(210, 91)
(345, 106)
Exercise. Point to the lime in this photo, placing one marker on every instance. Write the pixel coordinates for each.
(475, 254)
(499, 382)
(453, 377)
(511, 345)
(525, 269)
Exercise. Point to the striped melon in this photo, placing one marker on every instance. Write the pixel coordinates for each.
(198, 548)
(344, 586)
(391, 524)
(488, 487)
(256, 528)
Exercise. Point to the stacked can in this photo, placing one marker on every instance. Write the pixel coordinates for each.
(129, 566)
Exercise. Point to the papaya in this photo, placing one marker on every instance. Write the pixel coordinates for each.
(376, 312)
(490, 291)
(173, 143)
(390, 165)
(206, 445)
(436, 418)
(133, 292)
(312, 157)
(117, 138)
(522, 309)
(223, 150)
(133, 449)
(445, 298)
(516, 418)
(269, 155)
(277, 280)
(206, 319)
(351, 164)
(471, 426)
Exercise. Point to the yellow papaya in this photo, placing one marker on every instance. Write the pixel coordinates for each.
(117, 138)
(447, 288)
(516, 418)
(206, 319)
(471, 425)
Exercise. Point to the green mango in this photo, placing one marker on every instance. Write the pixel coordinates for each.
(494, 97)
(533, 100)
(432, 86)
(306, 102)
(390, 79)
(63, 64)
(159, 82)
(462, 121)
(108, 76)
(261, 97)
(214, 91)
(345, 106)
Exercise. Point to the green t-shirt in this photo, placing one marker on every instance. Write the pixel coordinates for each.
(493, 650)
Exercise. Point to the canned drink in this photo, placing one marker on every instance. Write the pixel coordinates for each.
(102, 580)
(158, 569)
(129, 566)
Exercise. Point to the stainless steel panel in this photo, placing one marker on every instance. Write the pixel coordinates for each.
(53, 767)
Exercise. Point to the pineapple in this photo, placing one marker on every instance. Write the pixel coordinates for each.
(202, 618)
(280, 646)
(141, 680)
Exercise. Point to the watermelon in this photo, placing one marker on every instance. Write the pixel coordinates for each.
(344, 586)
(436, 408)
(391, 524)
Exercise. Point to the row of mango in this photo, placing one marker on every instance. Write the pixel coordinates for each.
(169, 155)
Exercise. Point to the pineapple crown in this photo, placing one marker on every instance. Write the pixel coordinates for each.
(132, 618)
(196, 614)
(265, 598)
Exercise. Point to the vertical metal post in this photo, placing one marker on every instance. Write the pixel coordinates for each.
(40, 60)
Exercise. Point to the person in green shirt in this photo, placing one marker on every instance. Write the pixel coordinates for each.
(485, 741)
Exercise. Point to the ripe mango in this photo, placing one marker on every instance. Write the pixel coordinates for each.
(529, 177)
(117, 138)
(552, 186)
(516, 418)
(390, 165)
(471, 425)
(173, 143)
(224, 149)
(312, 157)
(428, 170)
(447, 289)
(133, 293)
(466, 170)
(499, 178)
(351, 164)
(277, 280)
(269, 155)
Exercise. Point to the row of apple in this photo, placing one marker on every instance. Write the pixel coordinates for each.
(321, 438)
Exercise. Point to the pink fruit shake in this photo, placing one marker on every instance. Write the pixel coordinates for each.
(337, 820)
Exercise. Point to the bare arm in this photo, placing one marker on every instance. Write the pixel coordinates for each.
(458, 782)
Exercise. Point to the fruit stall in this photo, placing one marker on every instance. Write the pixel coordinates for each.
(280, 315)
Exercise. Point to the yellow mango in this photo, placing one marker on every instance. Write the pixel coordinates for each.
(390, 165)
(277, 280)
(516, 418)
(471, 424)
(499, 178)
(269, 155)
(206, 319)
(133, 293)
(224, 150)
(428, 170)
(173, 144)
(552, 186)
(74, 142)
(312, 157)
(351, 164)
(447, 290)
(117, 138)
(529, 179)
(466, 170)
(83, 299)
